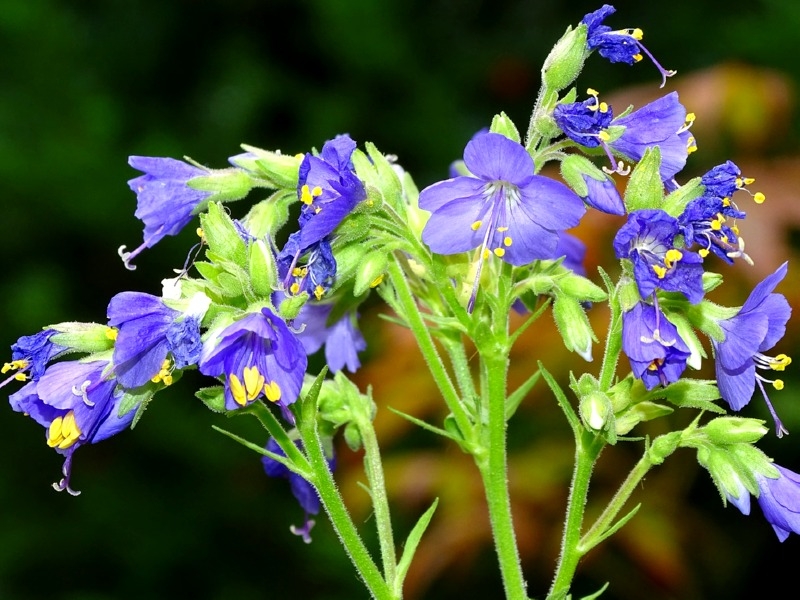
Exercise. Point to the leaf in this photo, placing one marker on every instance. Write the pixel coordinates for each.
(213, 397)
(412, 541)
(645, 189)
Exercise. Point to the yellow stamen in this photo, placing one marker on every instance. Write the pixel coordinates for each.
(476, 225)
(111, 333)
(660, 271)
(637, 34)
(307, 195)
(592, 92)
(781, 362)
(703, 252)
(672, 256)
(726, 201)
(603, 135)
(603, 107)
(237, 390)
(253, 382)
(778, 384)
(294, 288)
(749, 180)
(63, 431)
(319, 292)
(499, 252)
(507, 241)
(690, 118)
(199, 232)
(637, 57)
(272, 391)
(14, 365)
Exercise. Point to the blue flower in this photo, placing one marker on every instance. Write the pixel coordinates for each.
(710, 221)
(574, 252)
(602, 195)
(663, 123)
(779, 499)
(756, 328)
(259, 356)
(656, 351)
(31, 354)
(648, 240)
(502, 208)
(77, 403)
(311, 269)
(618, 46)
(165, 201)
(328, 189)
(725, 179)
(148, 332)
(343, 341)
(302, 490)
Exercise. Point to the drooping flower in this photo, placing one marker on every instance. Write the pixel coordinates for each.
(663, 123)
(302, 490)
(648, 240)
(623, 45)
(30, 355)
(153, 339)
(259, 356)
(165, 201)
(77, 403)
(756, 328)
(779, 499)
(328, 189)
(502, 208)
(710, 221)
(651, 342)
(310, 269)
(724, 180)
(343, 341)
(602, 195)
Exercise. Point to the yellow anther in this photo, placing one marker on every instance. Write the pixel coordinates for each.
(486, 253)
(637, 34)
(476, 225)
(272, 391)
(165, 373)
(63, 431)
(20, 376)
(502, 229)
(778, 384)
(253, 382)
(603, 135)
(716, 224)
(299, 156)
(672, 256)
(317, 210)
(726, 201)
(781, 362)
(237, 390)
(297, 272)
(660, 271)
(690, 118)
(112, 333)
(294, 288)
(14, 365)
(507, 241)
(735, 229)
(499, 252)
(592, 92)
(653, 366)
(691, 145)
(703, 252)
(319, 292)
(305, 195)
(377, 281)
(200, 233)
(603, 107)
(759, 198)
(637, 57)
(749, 180)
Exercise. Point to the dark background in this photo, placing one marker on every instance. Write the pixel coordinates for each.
(173, 509)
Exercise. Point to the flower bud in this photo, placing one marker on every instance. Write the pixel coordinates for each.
(595, 410)
(280, 169)
(503, 125)
(734, 430)
(565, 61)
(641, 411)
(663, 446)
(370, 272)
(573, 325)
(224, 185)
(83, 337)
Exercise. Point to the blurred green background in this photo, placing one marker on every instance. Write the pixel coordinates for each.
(173, 509)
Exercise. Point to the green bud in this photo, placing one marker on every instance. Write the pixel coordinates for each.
(734, 430)
(268, 216)
(574, 167)
(573, 325)
(221, 235)
(225, 185)
(621, 394)
(352, 437)
(502, 124)
(370, 272)
(645, 189)
(279, 169)
(565, 61)
(84, 337)
(676, 202)
(641, 411)
(730, 474)
(580, 288)
(628, 293)
(262, 269)
(585, 385)
(291, 305)
(595, 410)
(663, 446)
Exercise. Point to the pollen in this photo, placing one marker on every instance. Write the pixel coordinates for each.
(14, 365)
(253, 382)
(476, 225)
(637, 57)
(660, 271)
(294, 288)
(703, 252)
(780, 362)
(671, 257)
(307, 195)
(165, 373)
(637, 34)
(272, 391)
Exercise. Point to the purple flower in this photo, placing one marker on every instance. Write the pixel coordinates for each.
(617, 46)
(574, 252)
(259, 356)
(329, 190)
(311, 269)
(165, 202)
(647, 239)
(302, 490)
(343, 341)
(663, 123)
(31, 354)
(756, 328)
(149, 332)
(77, 403)
(779, 500)
(710, 221)
(652, 344)
(603, 195)
(724, 180)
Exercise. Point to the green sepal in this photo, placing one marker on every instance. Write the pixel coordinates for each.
(267, 217)
(641, 411)
(565, 61)
(689, 393)
(82, 337)
(645, 189)
(280, 169)
(676, 201)
(580, 288)
(221, 235)
(370, 271)
(734, 430)
(262, 269)
(224, 185)
(136, 399)
(291, 305)
(574, 167)
(503, 125)
(213, 397)
(663, 446)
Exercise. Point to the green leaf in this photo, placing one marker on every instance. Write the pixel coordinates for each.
(676, 202)
(213, 397)
(412, 541)
(690, 393)
(645, 189)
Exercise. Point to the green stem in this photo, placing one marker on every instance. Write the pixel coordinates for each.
(416, 323)
(613, 344)
(461, 369)
(380, 500)
(494, 471)
(587, 449)
(340, 516)
(599, 531)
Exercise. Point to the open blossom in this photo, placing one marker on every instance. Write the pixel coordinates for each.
(311, 269)
(648, 240)
(258, 355)
(77, 403)
(623, 45)
(779, 499)
(710, 221)
(663, 123)
(656, 351)
(302, 490)
(342, 339)
(152, 338)
(756, 328)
